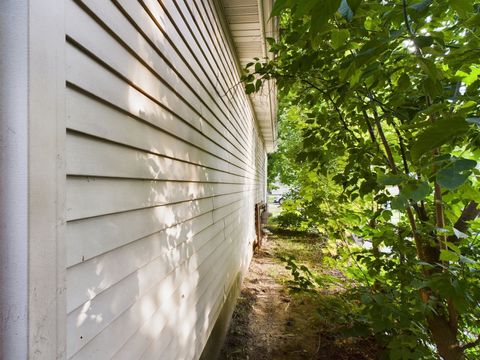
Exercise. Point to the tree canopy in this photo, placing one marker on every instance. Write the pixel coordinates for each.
(380, 141)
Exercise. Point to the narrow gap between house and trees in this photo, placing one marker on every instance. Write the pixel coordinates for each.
(375, 253)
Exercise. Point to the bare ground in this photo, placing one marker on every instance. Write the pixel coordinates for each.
(271, 323)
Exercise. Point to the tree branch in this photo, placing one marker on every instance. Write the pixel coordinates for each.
(470, 212)
(471, 344)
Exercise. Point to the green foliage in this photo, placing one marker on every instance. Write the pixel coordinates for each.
(379, 137)
(303, 279)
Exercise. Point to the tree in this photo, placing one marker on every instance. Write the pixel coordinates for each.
(388, 94)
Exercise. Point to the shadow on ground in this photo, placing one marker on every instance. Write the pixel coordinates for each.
(271, 323)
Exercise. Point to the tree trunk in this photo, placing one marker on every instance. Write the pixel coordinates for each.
(445, 338)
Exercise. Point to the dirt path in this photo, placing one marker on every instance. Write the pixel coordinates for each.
(270, 323)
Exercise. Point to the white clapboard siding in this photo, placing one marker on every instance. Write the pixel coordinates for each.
(206, 297)
(165, 163)
(116, 56)
(195, 40)
(148, 293)
(89, 156)
(92, 77)
(89, 196)
(143, 279)
(93, 118)
(90, 281)
(212, 299)
(87, 238)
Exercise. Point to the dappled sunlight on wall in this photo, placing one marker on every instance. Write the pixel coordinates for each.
(165, 165)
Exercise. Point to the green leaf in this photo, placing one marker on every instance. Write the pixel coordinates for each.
(249, 88)
(423, 41)
(428, 66)
(258, 84)
(280, 5)
(432, 87)
(321, 13)
(462, 7)
(449, 179)
(416, 191)
(389, 179)
(399, 203)
(455, 174)
(421, 6)
(450, 256)
(304, 7)
(441, 132)
(403, 82)
(339, 37)
(354, 4)
(453, 247)
(387, 215)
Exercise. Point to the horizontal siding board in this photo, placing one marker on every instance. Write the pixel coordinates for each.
(93, 37)
(91, 117)
(157, 14)
(210, 298)
(187, 311)
(158, 299)
(202, 21)
(185, 24)
(188, 308)
(169, 20)
(229, 56)
(91, 77)
(189, 24)
(87, 116)
(206, 245)
(87, 238)
(91, 157)
(94, 276)
(141, 283)
(91, 196)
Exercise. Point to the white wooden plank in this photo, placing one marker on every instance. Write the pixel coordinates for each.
(88, 33)
(90, 157)
(140, 285)
(91, 117)
(186, 313)
(148, 296)
(210, 295)
(135, 11)
(79, 65)
(46, 179)
(216, 60)
(89, 37)
(222, 40)
(89, 75)
(91, 237)
(92, 277)
(159, 13)
(88, 196)
(154, 273)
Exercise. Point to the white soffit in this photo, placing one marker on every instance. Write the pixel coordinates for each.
(250, 24)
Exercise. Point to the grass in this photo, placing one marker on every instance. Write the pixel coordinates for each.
(329, 308)
(305, 248)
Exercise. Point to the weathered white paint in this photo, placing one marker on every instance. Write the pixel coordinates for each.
(13, 179)
(46, 136)
(33, 180)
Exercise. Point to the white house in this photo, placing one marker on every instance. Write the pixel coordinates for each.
(131, 164)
